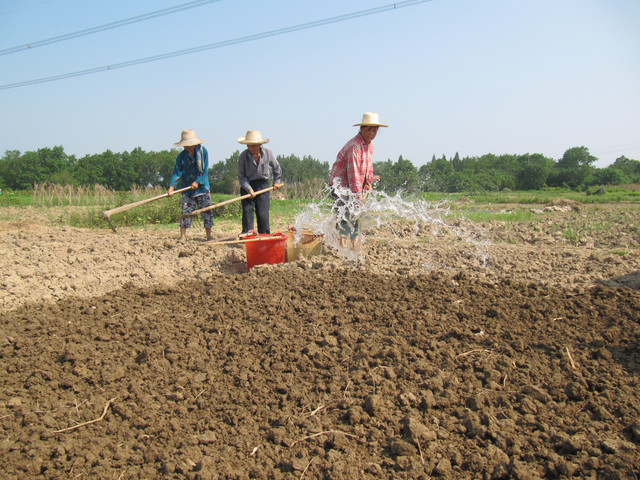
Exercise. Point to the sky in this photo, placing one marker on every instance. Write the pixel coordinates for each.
(467, 76)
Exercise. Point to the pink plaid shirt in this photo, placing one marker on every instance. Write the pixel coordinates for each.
(353, 166)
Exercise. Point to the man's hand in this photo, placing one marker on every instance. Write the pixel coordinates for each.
(252, 193)
(276, 186)
(194, 186)
(170, 191)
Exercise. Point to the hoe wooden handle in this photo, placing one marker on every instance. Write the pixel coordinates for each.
(259, 239)
(141, 202)
(227, 202)
(123, 208)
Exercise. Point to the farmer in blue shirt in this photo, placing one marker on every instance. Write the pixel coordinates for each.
(192, 168)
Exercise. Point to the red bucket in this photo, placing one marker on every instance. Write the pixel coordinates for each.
(265, 248)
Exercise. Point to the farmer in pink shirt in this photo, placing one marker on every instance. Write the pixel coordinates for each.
(351, 175)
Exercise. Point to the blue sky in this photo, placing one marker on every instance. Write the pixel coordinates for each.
(447, 76)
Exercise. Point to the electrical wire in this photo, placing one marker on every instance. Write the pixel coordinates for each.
(108, 26)
(226, 43)
(627, 146)
(26, 6)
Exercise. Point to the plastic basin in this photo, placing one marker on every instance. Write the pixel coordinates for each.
(265, 248)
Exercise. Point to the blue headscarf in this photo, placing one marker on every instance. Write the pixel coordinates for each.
(199, 162)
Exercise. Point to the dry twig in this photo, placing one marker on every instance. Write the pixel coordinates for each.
(104, 412)
(306, 468)
(320, 407)
(346, 388)
(573, 365)
(420, 448)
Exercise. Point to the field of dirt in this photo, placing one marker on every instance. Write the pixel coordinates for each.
(131, 355)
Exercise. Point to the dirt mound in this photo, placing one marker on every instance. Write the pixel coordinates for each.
(326, 372)
(566, 202)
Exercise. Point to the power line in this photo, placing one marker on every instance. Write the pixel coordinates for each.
(26, 6)
(627, 146)
(226, 43)
(108, 26)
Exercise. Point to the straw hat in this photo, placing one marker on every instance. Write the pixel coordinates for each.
(188, 139)
(252, 137)
(370, 120)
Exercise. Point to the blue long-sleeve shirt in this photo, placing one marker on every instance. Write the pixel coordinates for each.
(249, 171)
(186, 172)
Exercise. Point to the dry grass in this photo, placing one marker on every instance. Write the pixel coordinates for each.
(53, 195)
(141, 193)
(307, 190)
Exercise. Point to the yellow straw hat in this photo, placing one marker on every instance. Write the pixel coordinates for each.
(252, 137)
(370, 119)
(188, 139)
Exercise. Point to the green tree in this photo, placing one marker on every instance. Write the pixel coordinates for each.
(109, 169)
(166, 160)
(8, 162)
(223, 174)
(145, 171)
(533, 171)
(399, 176)
(610, 176)
(458, 165)
(458, 182)
(63, 177)
(295, 170)
(630, 168)
(88, 170)
(575, 167)
(21, 172)
(432, 176)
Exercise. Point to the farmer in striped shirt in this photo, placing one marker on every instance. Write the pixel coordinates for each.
(351, 175)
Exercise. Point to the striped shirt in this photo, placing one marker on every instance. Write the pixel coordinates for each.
(354, 166)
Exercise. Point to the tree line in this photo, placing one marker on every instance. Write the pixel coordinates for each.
(120, 171)
(492, 173)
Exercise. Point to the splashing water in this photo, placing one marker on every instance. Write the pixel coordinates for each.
(378, 210)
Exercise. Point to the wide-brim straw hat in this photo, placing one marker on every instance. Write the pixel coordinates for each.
(370, 119)
(253, 137)
(188, 139)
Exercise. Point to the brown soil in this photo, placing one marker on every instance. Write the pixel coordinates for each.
(132, 356)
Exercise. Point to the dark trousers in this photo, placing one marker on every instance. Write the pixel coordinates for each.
(261, 206)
